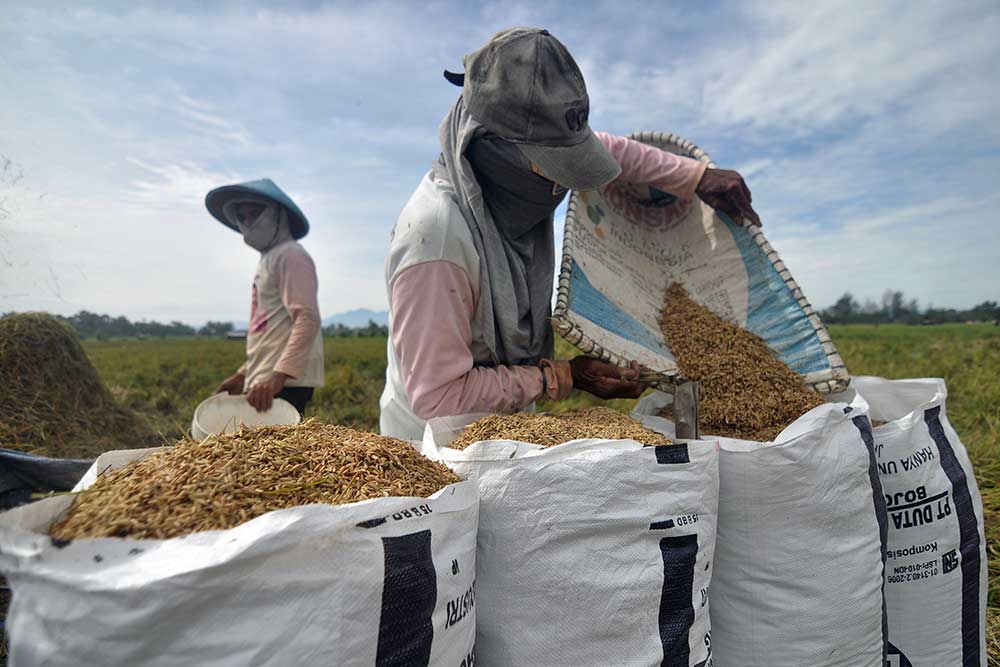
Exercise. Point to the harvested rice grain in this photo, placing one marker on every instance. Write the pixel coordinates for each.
(745, 391)
(550, 430)
(229, 479)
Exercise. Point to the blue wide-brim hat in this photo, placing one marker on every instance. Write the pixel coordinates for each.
(265, 187)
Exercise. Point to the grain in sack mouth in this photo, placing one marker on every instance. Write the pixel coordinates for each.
(226, 480)
(551, 430)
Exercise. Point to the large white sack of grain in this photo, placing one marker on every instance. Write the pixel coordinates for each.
(800, 548)
(936, 581)
(593, 552)
(389, 581)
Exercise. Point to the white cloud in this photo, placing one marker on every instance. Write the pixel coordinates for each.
(174, 185)
(940, 250)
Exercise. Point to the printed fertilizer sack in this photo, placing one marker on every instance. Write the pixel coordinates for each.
(936, 580)
(625, 243)
(593, 552)
(800, 545)
(388, 581)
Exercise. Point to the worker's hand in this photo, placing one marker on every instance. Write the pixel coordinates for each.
(724, 189)
(606, 380)
(262, 394)
(232, 384)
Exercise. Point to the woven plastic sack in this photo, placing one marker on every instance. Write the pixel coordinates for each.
(389, 581)
(23, 474)
(936, 581)
(800, 548)
(593, 552)
(625, 244)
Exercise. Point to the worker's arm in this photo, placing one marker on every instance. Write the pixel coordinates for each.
(684, 177)
(298, 284)
(299, 288)
(432, 309)
(234, 383)
(642, 163)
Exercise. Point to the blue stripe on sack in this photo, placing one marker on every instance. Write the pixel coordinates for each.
(587, 302)
(881, 514)
(3, 619)
(680, 555)
(968, 536)
(772, 311)
(409, 593)
(677, 453)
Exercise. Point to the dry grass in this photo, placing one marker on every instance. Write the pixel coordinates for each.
(745, 391)
(550, 430)
(52, 402)
(227, 480)
(993, 637)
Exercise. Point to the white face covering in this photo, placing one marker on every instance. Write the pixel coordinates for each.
(268, 229)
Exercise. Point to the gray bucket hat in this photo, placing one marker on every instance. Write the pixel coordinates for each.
(215, 202)
(525, 87)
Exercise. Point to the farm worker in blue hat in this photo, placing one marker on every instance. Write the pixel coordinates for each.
(284, 341)
(471, 261)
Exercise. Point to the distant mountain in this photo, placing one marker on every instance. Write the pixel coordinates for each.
(357, 318)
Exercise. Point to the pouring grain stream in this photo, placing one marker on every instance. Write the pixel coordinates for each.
(745, 391)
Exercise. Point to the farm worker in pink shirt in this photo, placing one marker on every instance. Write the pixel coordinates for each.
(471, 262)
(284, 341)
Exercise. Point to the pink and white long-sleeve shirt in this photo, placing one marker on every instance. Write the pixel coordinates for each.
(432, 348)
(284, 333)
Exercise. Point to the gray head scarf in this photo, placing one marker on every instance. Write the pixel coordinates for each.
(269, 230)
(511, 225)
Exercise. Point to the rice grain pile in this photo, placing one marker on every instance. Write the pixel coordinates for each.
(745, 391)
(227, 480)
(550, 430)
(52, 401)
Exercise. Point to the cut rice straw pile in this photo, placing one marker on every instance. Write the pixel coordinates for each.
(551, 430)
(52, 401)
(744, 390)
(227, 480)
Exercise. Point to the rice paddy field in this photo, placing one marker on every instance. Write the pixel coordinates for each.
(164, 379)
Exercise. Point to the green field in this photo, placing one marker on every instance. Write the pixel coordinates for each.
(165, 380)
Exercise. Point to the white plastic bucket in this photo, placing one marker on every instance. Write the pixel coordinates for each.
(224, 413)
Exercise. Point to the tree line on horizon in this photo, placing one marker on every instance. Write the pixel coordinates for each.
(895, 308)
(94, 325)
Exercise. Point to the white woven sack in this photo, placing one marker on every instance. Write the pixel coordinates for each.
(388, 581)
(936, 581)
(593, 552)
(801, 543)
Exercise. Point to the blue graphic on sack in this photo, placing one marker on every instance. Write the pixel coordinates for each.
(645, 205)
(895, 658)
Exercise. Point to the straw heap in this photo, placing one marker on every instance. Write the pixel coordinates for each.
(227, 480)
(745, 391)
(549, 430)
(52, 402)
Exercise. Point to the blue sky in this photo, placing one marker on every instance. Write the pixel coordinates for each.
(868, 133)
